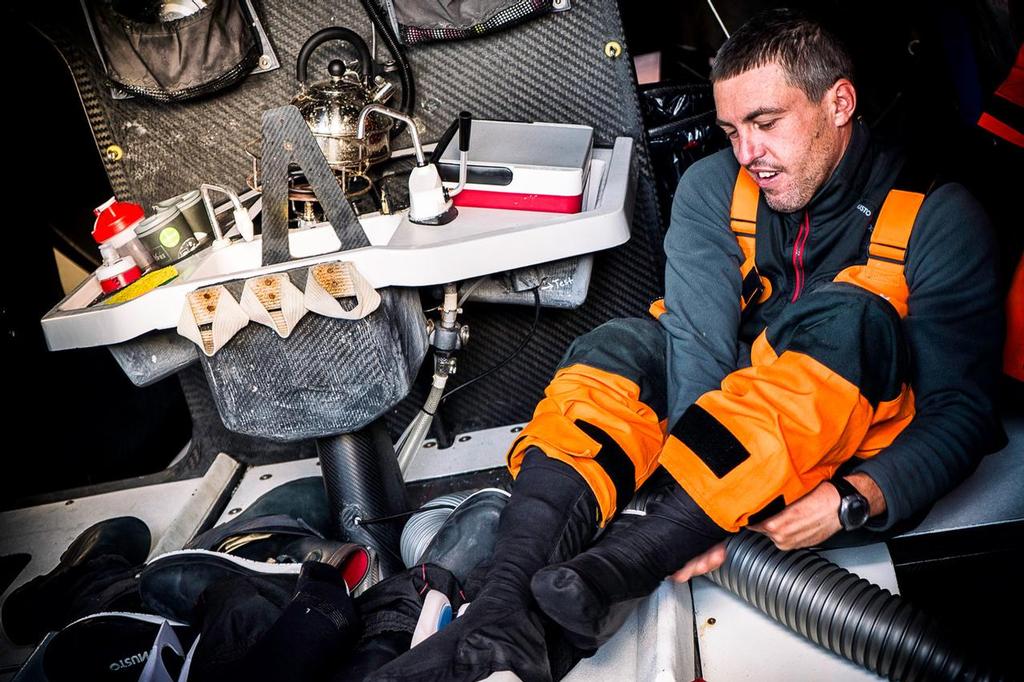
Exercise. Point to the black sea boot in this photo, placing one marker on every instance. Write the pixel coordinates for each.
(550, 517)
(95, 573)
(591, 595)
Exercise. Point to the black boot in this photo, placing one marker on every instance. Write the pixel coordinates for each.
(550, 517)
(95, 573)
(467, 538)
(591, 595)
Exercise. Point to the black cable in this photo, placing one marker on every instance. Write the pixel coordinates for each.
(512, 356)
(400, 515)
(382, 543)
(404, 70)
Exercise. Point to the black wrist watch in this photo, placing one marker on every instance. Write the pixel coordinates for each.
(854, 509)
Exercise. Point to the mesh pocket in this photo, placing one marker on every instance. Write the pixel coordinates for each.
(329, 376)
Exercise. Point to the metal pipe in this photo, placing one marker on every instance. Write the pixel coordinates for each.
(421, 424)
(398, 116)
(362, 480)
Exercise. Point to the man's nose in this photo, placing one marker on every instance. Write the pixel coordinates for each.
(748, 149)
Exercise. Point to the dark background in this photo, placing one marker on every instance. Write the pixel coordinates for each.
(72, 418)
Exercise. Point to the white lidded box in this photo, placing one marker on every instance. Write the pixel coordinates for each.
(523, 166)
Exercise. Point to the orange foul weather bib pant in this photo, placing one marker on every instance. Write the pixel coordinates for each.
(828, 381)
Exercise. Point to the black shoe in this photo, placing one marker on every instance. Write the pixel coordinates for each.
(467, 537)
(591, 595)
(303, 499)
(94, 574)
(172, 583)
(281, 539)
(551, 515)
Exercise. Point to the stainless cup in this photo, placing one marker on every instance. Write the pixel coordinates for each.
(191, 206)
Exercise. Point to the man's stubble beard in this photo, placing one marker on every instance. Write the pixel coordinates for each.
(816, 173)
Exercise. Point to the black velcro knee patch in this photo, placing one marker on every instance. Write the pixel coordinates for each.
(615, 462)
(710, 440)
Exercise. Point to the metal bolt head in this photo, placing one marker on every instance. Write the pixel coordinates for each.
(265, 477)
(463, 439)
(613, 49)
(264, 62)
(232, 512)
(114, 153)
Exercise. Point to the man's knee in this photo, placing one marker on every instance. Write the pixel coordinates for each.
(853, 332)
(632, 348)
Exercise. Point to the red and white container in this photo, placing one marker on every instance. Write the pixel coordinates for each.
(522, 166)
(115, 227)
(117, 272)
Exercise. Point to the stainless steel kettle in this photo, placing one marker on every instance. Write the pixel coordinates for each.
(331, 107)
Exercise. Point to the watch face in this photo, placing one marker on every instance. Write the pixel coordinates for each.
(853, 511)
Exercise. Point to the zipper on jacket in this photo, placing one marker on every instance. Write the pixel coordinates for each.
(798, 256)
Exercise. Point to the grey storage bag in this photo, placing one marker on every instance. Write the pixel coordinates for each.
(328, 376)
(171, 61)
(422, 22)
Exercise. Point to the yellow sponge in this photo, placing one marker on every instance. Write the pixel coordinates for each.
(144, 284)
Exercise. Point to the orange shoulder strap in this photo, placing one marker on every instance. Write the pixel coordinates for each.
(743, 222)
(888, 248)
(743, 215)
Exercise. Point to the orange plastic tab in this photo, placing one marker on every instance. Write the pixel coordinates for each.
(658, 308)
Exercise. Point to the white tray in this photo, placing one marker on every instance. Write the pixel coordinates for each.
(479, 242)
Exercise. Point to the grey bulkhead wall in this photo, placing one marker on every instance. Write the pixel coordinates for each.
(551, 69)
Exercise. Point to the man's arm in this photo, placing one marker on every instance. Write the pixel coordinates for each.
(955, 333)
(954, 329)
(702, 283)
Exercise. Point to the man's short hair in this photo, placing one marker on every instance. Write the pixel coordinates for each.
(812, 58)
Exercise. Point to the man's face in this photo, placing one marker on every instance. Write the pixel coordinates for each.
(789, 144)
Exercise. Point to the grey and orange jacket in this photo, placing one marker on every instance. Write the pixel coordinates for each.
(954, 326)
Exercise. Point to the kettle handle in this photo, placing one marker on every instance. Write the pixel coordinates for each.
(334, 33)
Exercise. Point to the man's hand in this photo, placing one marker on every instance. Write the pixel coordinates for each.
(701, 564)
(814, 518)
(807, 522)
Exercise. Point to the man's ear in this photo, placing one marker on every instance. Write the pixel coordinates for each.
(843, 101)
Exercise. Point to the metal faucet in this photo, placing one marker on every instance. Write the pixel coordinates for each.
(430, 202)
(410, 125)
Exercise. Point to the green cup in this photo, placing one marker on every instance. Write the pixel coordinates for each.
(168, 236)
